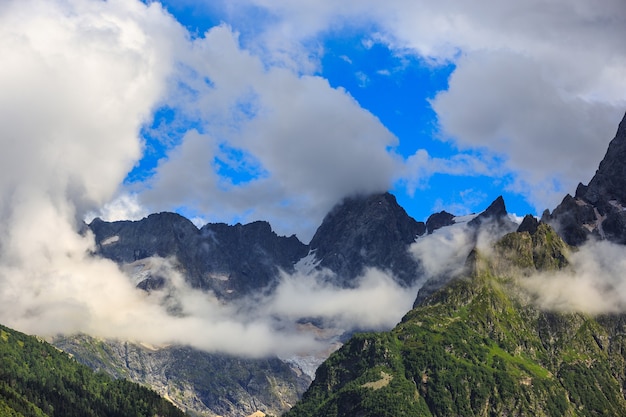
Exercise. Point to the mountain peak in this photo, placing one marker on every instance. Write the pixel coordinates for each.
(439, 220)
(476, 347)
(609, 182)
(597, 209)
(495, 212)
(367, 230)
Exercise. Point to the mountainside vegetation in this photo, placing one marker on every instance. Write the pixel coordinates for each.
(37, 380)
(479, 347)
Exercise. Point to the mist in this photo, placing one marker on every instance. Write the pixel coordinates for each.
(593, 283)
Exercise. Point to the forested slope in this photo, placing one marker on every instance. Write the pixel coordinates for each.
(38, 380)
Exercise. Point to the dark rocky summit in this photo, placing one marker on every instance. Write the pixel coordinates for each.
(439, 220)
(368, 231)
(598, 209)
(495, 214)
(529, 224)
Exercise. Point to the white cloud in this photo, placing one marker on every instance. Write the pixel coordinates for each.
(512, 109)
(306, 144)
(80, 80)
(593, 283)
(538, 82)
(377, 302)
(420, 166)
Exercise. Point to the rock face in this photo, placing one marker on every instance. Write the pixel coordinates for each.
(232, 261)
(200, 383)
(368, 231)
(598, 209)
(478, 347)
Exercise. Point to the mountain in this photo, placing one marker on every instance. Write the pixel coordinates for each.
(367, 231)
(598, 209)
(235, 261)
(38, 380)
(479, 347)
(474, 344)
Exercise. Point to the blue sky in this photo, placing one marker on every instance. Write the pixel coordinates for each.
(235, 111)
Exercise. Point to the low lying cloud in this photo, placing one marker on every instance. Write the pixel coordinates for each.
(593, 283)
(444, 252)
(377, 302)
(92, 295)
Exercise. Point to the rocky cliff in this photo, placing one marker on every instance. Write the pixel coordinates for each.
(201, 383)
(368, 231)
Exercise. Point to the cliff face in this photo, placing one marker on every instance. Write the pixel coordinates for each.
(479, 347)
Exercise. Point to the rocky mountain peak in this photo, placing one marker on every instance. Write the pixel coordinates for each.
(597, 210)
(609, 182)
(230, 260)
(439, 220)
(366, 231)
(495, 212)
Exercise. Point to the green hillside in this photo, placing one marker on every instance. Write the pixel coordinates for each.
(38, 380)
(478, 347)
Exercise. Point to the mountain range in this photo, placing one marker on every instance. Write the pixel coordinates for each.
(476, 342)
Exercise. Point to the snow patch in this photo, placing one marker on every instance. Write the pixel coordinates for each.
(465, 219)
(307, 264)
(219, 277)
(110, 240)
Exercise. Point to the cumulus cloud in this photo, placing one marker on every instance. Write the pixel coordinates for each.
(538, 83)
(550, 138)
(300, 144)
